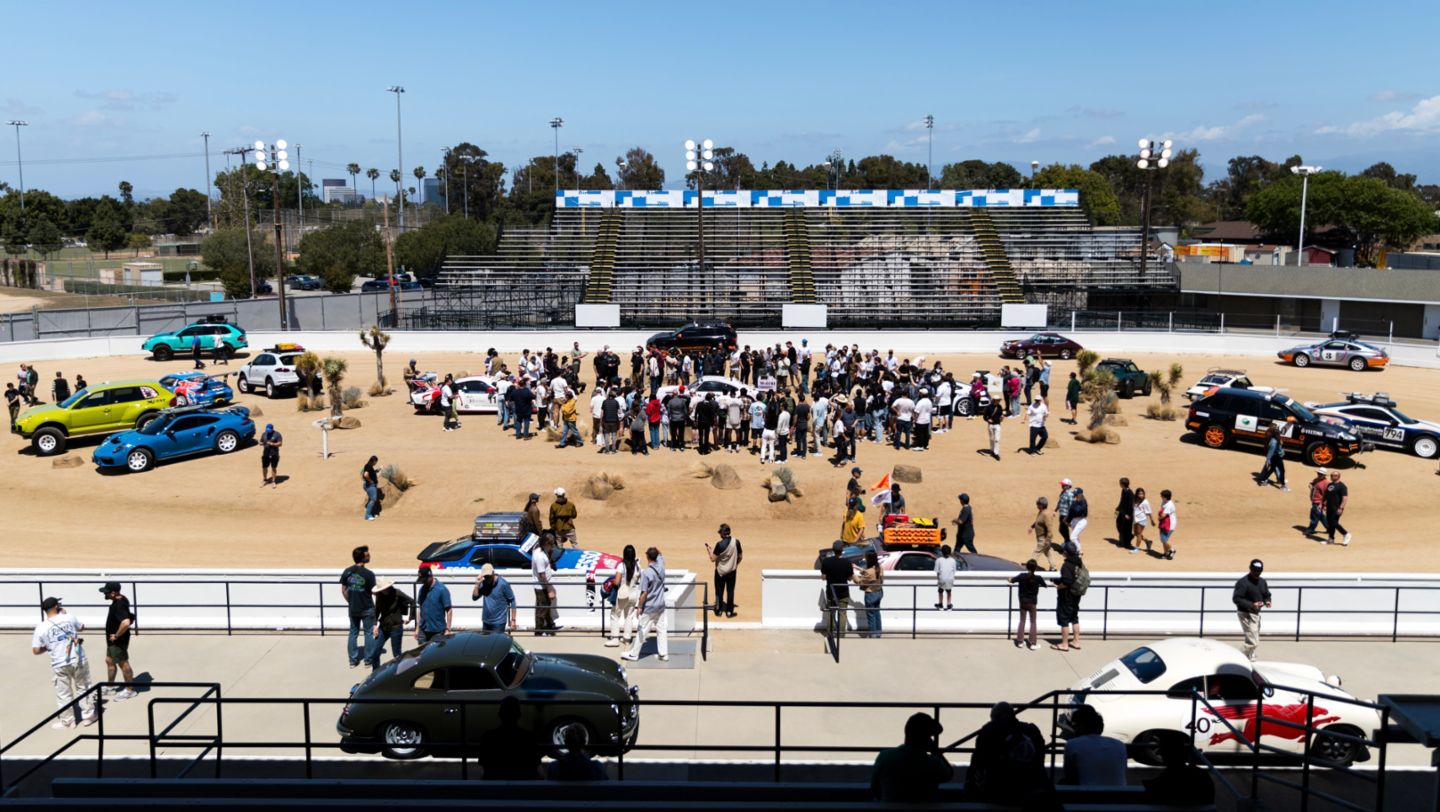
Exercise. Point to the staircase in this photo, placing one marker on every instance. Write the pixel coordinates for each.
(600, 284)
(797, 256)
(995, 259)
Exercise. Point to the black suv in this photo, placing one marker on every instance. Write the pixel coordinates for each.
(1244, 415)
(1130, 379)
(695, 337)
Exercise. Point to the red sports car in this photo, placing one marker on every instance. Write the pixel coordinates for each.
(1045, 345)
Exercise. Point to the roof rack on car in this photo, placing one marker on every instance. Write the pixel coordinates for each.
(214, 318)
(1377, 399)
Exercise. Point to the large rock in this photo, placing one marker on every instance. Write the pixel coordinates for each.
(909, 474)
(68, 461)
(781, 484)
(345, 422)
(602, 486)
(724, 477)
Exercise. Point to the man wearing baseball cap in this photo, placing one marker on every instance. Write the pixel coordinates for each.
(497, 613)
(435, 607)
(59, 635)
(117, 638)
(1062, 507)
(1251, 595)
(562, 519)
(270, 442)
(914, 771)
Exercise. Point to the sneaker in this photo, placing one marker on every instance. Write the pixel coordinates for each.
(369, 518)
(121, 696)
(1345, 542)
(108, 689)
(939, 606)
(628, 656)
(1134, 550)
(1285, 488)
(1033, 647)
(90, 720)
(612, 643)
(664, 658)
(1018, 644)
(355, 664)
(63, 724)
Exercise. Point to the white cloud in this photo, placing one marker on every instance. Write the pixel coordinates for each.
(1102, 141)
(125, 99)
(1216, 132)
(17, 107)
(1424, 117)
(92, 118)
(1384, 95)
(1031, 136)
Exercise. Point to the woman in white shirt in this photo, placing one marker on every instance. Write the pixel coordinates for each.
(944, 398)
(1143, 512)
(623, 618)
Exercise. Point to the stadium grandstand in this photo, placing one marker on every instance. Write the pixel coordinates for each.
(941, 258)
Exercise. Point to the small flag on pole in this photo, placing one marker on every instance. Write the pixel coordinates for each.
(883, 484)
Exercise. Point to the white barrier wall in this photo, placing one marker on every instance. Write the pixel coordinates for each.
(1338, 604)
(302, 600)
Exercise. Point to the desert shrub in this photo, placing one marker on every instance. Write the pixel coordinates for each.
(396, 476)
(351, 397)
(1158, 411)
(1085, 360)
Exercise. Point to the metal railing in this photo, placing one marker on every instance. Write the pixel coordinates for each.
(1206, 715)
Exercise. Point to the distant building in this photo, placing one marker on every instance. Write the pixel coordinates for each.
(431, 191)
(335, 190)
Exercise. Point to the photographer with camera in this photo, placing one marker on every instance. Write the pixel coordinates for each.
(59, 635)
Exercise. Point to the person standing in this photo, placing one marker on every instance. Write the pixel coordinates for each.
(1317, 500)
(1040, 526)
(497, 612)
(59, 636)
(394, 610)
(270, 442)
(195, 352)
(651, 607)
(627, 591)
(542, 569)
(726, 555)
(1274, 459)
(1252, 595)
(562, 519)
(945, 566)
(522, 400)
(1035, 415)
(370, 478)
(1072, 398)
(117, 639)
(1062, 508)
(356, 585)
(782, 433)
(678, 411)
(1337, 498)
(652, 418)
(59, 388)
(904, 410)
(435, 607)
(450, 402)
(32, 383)
(871, 580)
(1079, 517)
(965, 527)
(836, 573)
(1125, 516)
(569, 415)
(994, 415)
(1028, 586)
(12, 402)
(913, 772)
(852, 529)
(1169, 521)
(1141, 518)
(1074, 583)
(924, 414)
(801, 425)
(1045, 380)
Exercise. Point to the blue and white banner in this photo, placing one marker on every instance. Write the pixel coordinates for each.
(818, 198)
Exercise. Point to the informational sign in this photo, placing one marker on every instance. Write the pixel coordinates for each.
(1245, 422)
(766, 384)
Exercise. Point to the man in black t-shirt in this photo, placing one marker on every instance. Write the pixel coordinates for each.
(117, 640)
(837, 573)
(356, 584)
(1337, 497)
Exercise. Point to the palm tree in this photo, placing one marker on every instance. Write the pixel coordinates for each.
(354, 170)
(444, 178)
(376, 339)
(372, 173)
(399, 190)
(419, 173)
(334, 371)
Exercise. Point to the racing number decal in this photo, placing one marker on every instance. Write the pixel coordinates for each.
(1394, 434)
(1201, 725)
(1287, 429)
(1329, 355)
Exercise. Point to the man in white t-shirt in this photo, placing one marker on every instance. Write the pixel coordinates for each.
(904, 409)
(1035, 415)
(597, 408)
(544, 573)
(59, 636)
(924, 410)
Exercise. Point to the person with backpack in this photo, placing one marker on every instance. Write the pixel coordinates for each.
(1009, 760)
(1074, 583)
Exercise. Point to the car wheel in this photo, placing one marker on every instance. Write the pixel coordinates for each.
(145, 420)
(226, 442)
(1320, 454)
(1127, 390)
(181, 400)
(1065, 354)
(1358, 364)
(48, 442)
(1338, 751)
(1148, 389)
(270, 389)
(1216, 436)
(1425, 446)
(242, 383)
(139, 459)
(164, 352)
(964, 407)
(561, 729)
(1302, 360)
(1146, 746)
(402, 740)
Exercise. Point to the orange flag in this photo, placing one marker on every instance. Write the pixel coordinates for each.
(883, 484)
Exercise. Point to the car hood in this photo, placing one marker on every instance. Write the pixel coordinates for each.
(663, 335)
(565, 675)
(1295, 675)
(39, 413)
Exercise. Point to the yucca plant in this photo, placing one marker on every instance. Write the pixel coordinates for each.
(334, 371)
(377, 339)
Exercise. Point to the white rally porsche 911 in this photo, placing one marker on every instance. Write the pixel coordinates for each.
(1235, 689)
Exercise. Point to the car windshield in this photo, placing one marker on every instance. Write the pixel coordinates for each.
(451, 549)
(1371, 347)
(513, 664)
(1145, 664)
(74, 399)
(1299, 410)
(156, 426)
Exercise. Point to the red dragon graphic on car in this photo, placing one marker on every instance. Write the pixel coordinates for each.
(1251, 729)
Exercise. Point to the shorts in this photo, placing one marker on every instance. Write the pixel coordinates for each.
(269, 458)
(1071, 405)
(943, 588)
(1165, 536)
(118, 653)
(611, 428)
(1067, 609)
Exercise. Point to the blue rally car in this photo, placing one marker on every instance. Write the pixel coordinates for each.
(178, 432)
(497, 541)
(198, 389)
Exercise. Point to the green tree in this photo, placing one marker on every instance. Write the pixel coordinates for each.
(598, 178)
(225, 252)
(1386, 174)
(107, 230)
(184, 212)
(14, 233)
(419, 173)
(127, 193)
(45, 237)
(339, 253)
(422, 251)
(373, 174)
(1097, 199)
(639, 171)
(881, 172)
(1362, 211)
(978, 174)
(478, 183)
(138, 241)
(354, 170)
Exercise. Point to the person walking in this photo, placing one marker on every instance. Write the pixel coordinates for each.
(1035, 415)
(394, 610)
(370, 478)
(1169, 521)
(497, 612)
(1040, 526)
(1074, 583)
(450, 402)
(543, 571)
(435, 608)
(195, 353)
(1252, 595)
(1141, 520)
(1274, 459)
(1079, 517)
(1072, 398)
(117, 640)
(1028, 586)
(562, 519)
(871, 580)
(836, 573)
(1063, 504)
(994, 415)
(270, 442)
(945, 566)
(965, 526)
(726, 555)
(1125, 516)
(1337, 498)
(59, 636)
(626, 584)
(1317, 501)
(357, 583)
(651, 607)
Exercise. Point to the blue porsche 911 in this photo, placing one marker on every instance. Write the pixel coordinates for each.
(198, 389)
(178, 432)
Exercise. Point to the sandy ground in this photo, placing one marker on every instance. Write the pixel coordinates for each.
(212, 511)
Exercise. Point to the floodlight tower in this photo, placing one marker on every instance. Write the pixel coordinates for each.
(699, 159)
(399, 149)
(1154, 155)
(278, 161)
(555, 124)
(1304, 172)
(930, 152)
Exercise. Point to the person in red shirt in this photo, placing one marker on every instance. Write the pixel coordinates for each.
(1317, 501)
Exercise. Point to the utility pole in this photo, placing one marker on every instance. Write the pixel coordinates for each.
(278, 162)
(299, 197)
(209, 187)
(19, 161)
(245, 195)
(399, 150)
(445, 162)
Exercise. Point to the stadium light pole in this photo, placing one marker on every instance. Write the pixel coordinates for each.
(1154, 155)
(577, 152)
(699, 159)
(465, 183)
(555, 124)
(19, 161)
(1034, 168)
(1304, 172)
(837, 160)
(209, 187)
(399, 149)
(930, 153)
(279, 161)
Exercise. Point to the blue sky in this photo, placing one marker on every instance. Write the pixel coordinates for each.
(106, 86)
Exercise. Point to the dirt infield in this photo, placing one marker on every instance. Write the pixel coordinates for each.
(212, 511)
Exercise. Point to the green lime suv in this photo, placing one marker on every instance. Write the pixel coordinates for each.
(100, 409)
